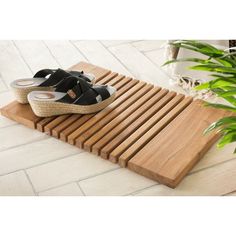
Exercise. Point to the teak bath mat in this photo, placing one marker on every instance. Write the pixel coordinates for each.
(150, 130)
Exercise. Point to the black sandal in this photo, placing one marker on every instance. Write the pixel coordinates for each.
(81, 98)
(46, 80)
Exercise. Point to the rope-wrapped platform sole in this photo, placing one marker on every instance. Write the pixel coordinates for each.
(21, 93)
(47, 109)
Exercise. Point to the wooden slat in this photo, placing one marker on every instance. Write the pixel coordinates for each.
(65, 124)
(132, 138)
(83, 136)
(41, 124)
(119, 78)
(168, 165)
(123, 121)
(99, 73)
(107, 78)
(121, 89)
(118, 139)
(135, 109)
(124, 85)
(21, 113)
(147, 131)
(56, 126)
(72, 134)
(112, 79)
(52, 124)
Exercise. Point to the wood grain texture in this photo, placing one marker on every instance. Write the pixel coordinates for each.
(72, 138)
(70, 133)
(118, 139)
(21, 113)
(127, 106)
(152, 131)
(137, 139)
(173, 154)
(122, 121)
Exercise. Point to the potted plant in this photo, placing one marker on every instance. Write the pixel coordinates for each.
(222, 65)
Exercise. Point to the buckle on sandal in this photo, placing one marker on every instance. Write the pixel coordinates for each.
(71, 93)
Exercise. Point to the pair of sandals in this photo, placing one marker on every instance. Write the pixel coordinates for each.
(56, 92)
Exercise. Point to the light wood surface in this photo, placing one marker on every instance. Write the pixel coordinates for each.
(176, 149)
(153, 131)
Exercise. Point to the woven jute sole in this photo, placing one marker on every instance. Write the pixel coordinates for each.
(21, 93)
(47, 109)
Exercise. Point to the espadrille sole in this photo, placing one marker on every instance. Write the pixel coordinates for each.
(48, 108)
(22, 87)
(21, 93)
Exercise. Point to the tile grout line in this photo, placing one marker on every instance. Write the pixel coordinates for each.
(4, 83)
(159, 184)
(5, 91)
(77, 48)
(22, 144)
(22, 57)
(82, 191)
(150, 50)
(118, 44)
(79, 180)
(118, 58)
(7, 126)
(32, 186)
(205, 168)
(50, 52)
(140, 190)
(37, 165)
(156, 65)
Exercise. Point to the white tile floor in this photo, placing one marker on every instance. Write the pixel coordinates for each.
(32, 163)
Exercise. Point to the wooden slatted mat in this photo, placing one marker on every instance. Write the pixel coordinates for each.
(152, 131)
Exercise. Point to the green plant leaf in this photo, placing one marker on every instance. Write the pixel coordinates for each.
(227, 138)
(227, 128)
(221, 122)
(200, 47)
(223, 65)
(221, 82)
(228, 93)
(225, 62)
(202, 86)
(226, 76)
(214, 68)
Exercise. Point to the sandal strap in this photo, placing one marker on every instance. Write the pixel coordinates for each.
(73, 93)
(80, 74)
(55, 78)
(43, 73)
(93, 96)
(66, 84)
(102, 91)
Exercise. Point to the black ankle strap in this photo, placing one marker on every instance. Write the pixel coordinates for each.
(55, 78)
(43, 73)
(73, 93)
